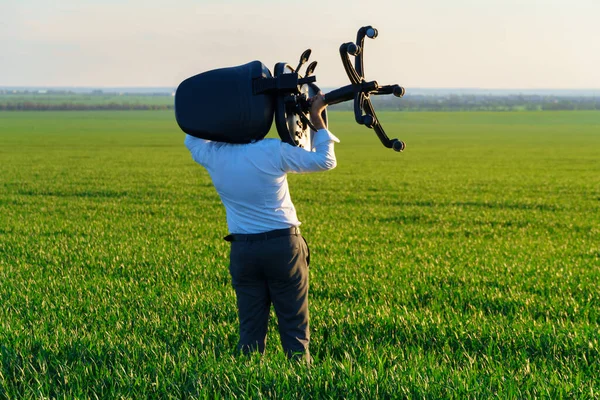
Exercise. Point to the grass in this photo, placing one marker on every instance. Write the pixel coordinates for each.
(465, 267)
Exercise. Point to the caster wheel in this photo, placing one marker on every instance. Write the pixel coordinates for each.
(372, 33)
(368, 121)
(353, 49)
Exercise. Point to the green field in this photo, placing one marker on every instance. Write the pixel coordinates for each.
(466, 267)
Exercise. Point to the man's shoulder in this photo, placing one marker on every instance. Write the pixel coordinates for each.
(267, 144)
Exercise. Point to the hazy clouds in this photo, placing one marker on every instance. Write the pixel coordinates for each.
(430, 43)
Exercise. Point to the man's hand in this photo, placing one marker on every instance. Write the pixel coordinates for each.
(317, 105)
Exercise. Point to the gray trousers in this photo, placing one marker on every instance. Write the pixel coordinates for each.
(272, 271)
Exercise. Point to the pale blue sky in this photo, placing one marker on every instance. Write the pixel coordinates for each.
(426, 43)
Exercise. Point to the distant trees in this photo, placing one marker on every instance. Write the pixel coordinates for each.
(63, 100)
(69, 101)
(76, 106)
(479, 103)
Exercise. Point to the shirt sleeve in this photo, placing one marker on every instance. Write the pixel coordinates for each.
(322, 158)
(199, 148)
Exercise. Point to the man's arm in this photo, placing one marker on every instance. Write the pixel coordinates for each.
(296, 159)
(198, 148)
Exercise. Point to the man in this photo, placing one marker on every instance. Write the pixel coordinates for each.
(269, 258)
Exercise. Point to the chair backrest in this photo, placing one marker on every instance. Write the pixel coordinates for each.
(220, 104)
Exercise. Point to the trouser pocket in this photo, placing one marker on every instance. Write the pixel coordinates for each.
(307, 252)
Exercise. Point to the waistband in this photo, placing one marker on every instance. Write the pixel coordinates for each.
(254, 237)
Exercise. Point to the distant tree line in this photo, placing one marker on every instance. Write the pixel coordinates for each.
(479, 103)
(76, 106)
(68, 101)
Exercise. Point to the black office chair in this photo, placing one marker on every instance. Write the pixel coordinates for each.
(237, 104)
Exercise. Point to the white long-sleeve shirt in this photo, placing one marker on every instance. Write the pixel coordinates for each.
(251, 179)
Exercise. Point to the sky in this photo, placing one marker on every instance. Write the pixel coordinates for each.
(496, 44)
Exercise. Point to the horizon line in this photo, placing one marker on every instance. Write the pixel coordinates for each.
(171, 86)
